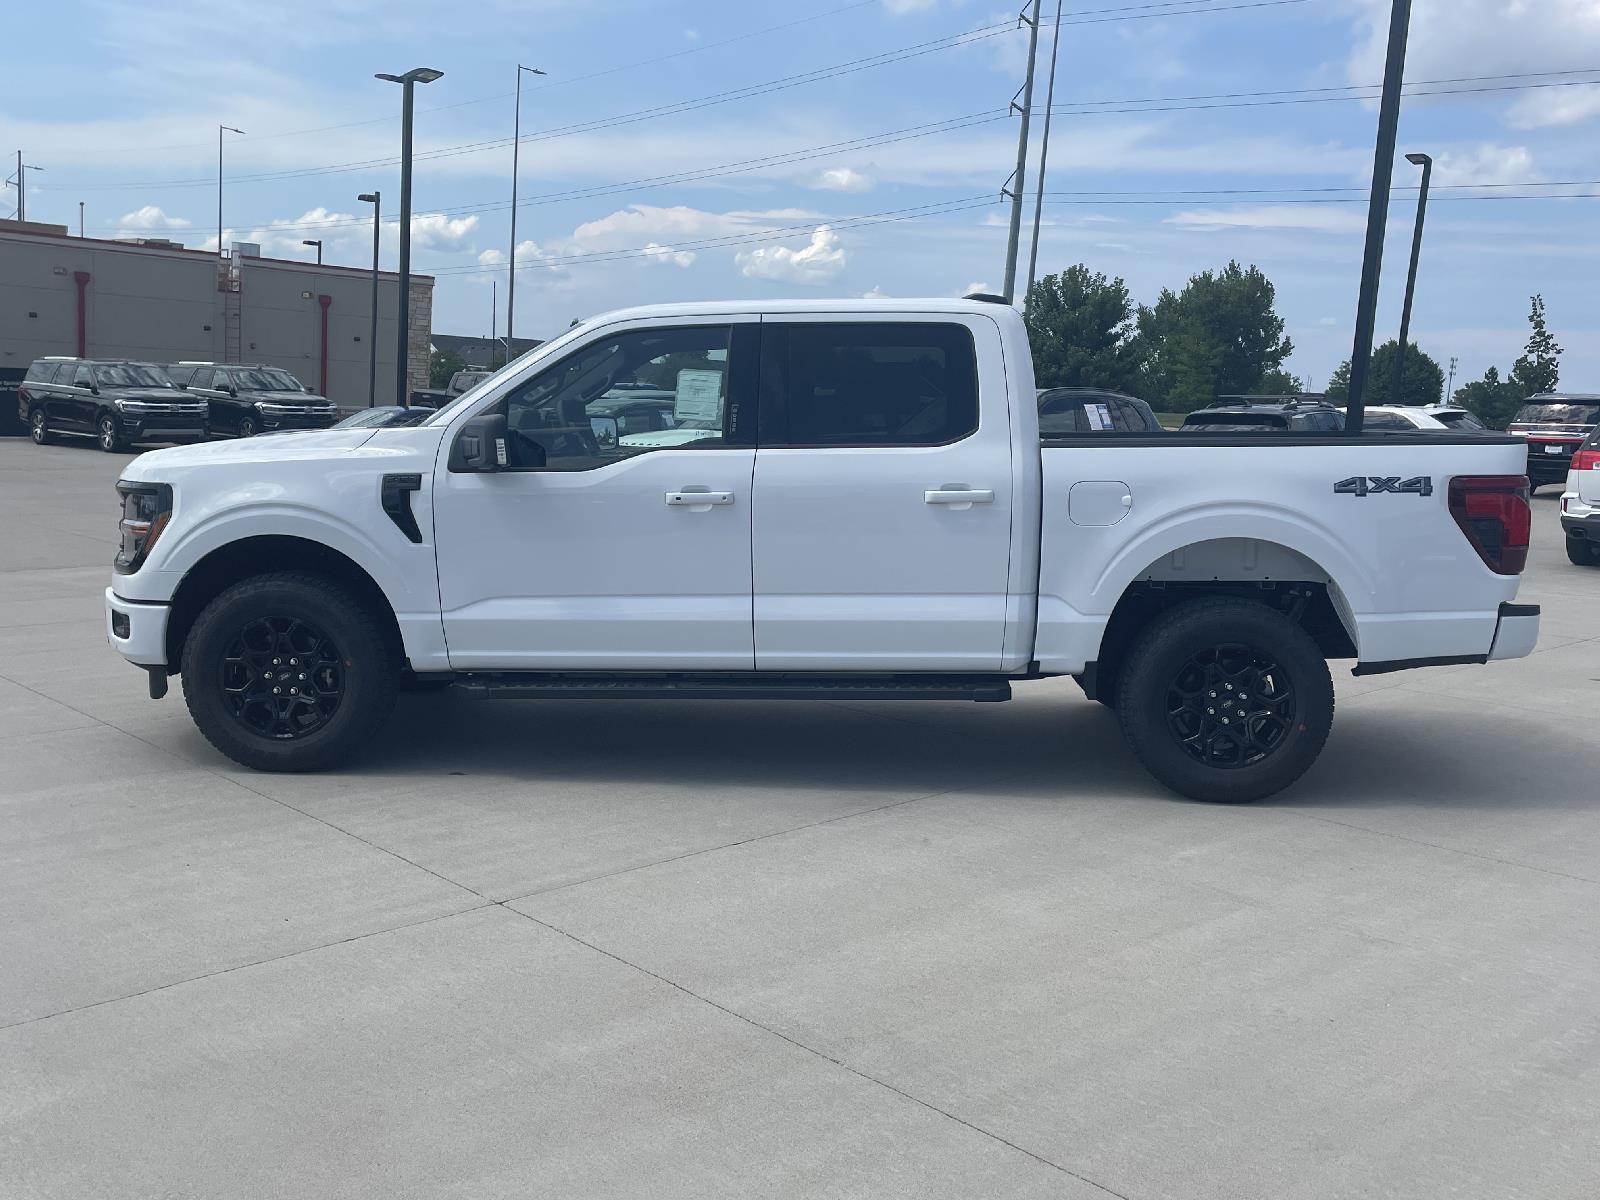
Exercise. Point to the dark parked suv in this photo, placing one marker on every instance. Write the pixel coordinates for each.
(1555, 424)
(116, 403)
(1252, 414)
(247, 399)
(1074, 410)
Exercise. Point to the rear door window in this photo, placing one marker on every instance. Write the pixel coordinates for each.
(1389, 421)
(201, 378)
(1127, 417)
(868, 384)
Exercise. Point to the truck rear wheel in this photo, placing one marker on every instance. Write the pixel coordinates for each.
(288, 671)
(1225, 700)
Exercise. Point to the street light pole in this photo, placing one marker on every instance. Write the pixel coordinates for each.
(373, 198)
(22, 180)
(1426, 163)
(1377, 214)
(516, 144)
(221, 129)
(1019, 180)
(317, 242)
(407, 82)
(1044, 157)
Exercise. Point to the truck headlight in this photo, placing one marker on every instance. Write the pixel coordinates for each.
(146, 509)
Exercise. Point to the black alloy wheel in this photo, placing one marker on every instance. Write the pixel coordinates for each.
(1230, 706)
(282, 678)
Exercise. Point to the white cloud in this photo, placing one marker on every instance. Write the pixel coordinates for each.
(151, 217)
(1314, 218)
(901, 7)
(435, 231)
(843, 179)
(493, 258)
(818, 261)
(1558, 106)
(1484, 163)
(876, 293)
(657, 253)
(642, 223)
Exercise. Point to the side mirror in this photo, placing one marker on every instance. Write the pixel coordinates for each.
(230, 389)
(481, 445)
(605, 431)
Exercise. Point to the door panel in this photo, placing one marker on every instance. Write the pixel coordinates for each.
(881, 556)
(598, 552)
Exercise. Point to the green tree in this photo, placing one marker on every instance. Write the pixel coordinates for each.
(1278, 382)
(1220, 336)
(1493, 400)
(1081, 328)
(1422, 382)
(1539, 368)
(441, 365)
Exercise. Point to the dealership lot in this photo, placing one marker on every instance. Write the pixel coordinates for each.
(863, 949)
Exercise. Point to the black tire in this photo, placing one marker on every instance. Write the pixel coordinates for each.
(353, 673)
(1245, 750)
(1533, 486)
(39, 428)
(247, 427)
(107, 436)
(1581, 552)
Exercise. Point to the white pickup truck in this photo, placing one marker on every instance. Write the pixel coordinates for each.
(869, 512)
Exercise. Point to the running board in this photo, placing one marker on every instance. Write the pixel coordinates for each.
(730, 685)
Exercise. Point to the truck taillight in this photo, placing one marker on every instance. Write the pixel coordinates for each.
(1586, 460)
(1493, 512)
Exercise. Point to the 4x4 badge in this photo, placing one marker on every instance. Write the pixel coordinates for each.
(1368, 485)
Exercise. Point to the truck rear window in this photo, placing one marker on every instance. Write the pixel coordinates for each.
(1560, 414)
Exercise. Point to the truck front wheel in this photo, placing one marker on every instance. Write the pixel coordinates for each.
(288, 671)
(1225, 700)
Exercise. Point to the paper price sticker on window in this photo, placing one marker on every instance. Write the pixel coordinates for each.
(1099, 415)
(698, 396)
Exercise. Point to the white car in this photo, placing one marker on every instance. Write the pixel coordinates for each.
(1580, 504)
(876, 517)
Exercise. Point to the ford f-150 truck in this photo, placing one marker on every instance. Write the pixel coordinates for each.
(869, 512)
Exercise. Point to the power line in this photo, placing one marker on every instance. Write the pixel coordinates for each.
(782, 83)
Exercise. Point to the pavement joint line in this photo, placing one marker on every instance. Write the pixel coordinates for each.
(260, 962)
(760, 837)
(1498, 700)
(812, 1050)
(1504, 862)
(229, 779)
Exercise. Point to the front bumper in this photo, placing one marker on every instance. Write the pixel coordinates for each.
(1516, 632)
(137, 631)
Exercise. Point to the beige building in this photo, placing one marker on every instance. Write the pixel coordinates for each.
(162, 303)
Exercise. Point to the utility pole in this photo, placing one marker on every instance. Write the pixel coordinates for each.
(80, 218)
(1377, 214)
(1044, 158)
(494, 319)
(1450, 386)
(1019, 179)
(22, 186)
(516, 145)
(1426, 163)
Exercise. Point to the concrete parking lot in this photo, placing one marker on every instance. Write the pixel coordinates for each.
(805, 949)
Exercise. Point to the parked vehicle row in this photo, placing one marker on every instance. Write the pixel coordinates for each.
(1555, 425)
(120, 402)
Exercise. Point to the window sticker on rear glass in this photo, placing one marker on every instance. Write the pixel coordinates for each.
(1099, 415)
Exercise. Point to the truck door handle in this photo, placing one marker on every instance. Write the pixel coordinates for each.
(959, 496)
(692, 499)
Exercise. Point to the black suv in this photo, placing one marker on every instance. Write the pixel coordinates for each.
(1265, 414)
(1555, 424)
(1066, 411)
(115, 402)
(251, 398)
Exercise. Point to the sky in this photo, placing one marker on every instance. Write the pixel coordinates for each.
(695, 149)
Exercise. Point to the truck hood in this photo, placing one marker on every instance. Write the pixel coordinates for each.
(327, 443)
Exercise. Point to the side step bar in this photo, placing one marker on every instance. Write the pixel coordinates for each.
(730, 685)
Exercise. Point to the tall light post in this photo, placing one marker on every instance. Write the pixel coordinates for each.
(317, 242)
(1394, 69)
(408, 83)
(1426, 163)
(375, 199)
(516, 144)
(221, 129)
(1044, 158)
(22, 186)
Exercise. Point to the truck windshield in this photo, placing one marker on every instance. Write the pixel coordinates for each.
(131, 375)
(260, 379)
